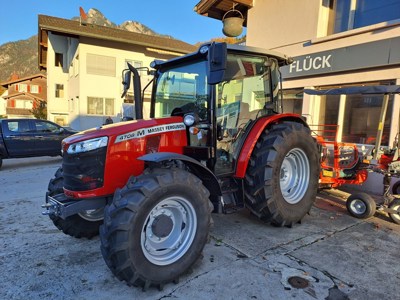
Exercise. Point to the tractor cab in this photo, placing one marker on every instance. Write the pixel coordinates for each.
(220, 91)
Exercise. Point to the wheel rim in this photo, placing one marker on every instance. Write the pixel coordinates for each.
(168, 231)
(92, 215)
(294, 176)
(395, 206)
(358, 207)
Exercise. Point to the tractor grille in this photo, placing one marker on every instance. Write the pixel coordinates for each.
(84, 171)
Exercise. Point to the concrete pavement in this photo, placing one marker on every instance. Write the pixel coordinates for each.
(331, 255)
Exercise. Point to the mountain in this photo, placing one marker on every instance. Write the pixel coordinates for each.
(21, 56)
(94, 16)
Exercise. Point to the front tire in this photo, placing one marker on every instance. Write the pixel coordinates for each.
(282, 176)
(361, 206)
(82, 225)
(156, 227)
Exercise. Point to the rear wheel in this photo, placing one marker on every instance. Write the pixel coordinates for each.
(361, 205)
(396, 206)
(85, 224)
(156, 227)
(282, 176)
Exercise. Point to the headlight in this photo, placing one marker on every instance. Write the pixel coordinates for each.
(189, 120)
(87, 145)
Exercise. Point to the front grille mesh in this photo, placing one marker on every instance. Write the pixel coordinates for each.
(84, 171)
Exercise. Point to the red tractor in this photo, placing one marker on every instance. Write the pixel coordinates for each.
(214, 142)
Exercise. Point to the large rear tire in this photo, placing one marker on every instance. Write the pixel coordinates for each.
(82, 225)
(156, 227)
(282, 176)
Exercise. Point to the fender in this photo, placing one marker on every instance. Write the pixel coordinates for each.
(255, 132)
(208, 177)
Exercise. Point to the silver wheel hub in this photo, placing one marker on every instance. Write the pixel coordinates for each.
(358, 207)
(396, 207)
(294, 175)
(169, 230)
(92, 215)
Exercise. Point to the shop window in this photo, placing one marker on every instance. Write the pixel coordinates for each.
(59, 90)
(361, 119)
(328, 117)
(292, 101)
(100, 106)
(352, 14)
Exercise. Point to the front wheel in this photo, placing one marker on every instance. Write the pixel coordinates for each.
(396, 206)
(156, 227)
(85, 224)
(361, 205)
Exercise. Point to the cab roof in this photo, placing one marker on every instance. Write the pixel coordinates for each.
(239, 49)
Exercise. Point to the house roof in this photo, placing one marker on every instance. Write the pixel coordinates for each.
(75, 28)
(9, 82)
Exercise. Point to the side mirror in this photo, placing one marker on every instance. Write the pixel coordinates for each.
(61, 130)
(126, 74)
(217, 53)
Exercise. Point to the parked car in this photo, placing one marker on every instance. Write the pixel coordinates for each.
(31, 137)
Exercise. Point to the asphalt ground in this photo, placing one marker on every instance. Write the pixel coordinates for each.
(330, 255)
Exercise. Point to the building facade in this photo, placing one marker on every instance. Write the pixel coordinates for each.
(334, 43)
(22, 95)
(84, 64)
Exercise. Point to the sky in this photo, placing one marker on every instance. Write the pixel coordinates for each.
(177, 18)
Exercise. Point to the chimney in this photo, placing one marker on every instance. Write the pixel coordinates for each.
(83, 16)
(14, 76)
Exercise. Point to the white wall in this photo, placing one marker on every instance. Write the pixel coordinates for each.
(57, 75)
(78, 85)
(3, 103)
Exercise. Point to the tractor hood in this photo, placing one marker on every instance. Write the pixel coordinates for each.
(123, 131)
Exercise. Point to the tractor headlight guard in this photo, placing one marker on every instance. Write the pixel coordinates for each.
(88, 145)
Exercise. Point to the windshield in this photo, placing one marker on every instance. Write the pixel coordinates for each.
(182, 89)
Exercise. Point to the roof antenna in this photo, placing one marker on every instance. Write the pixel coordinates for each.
(83, 16)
